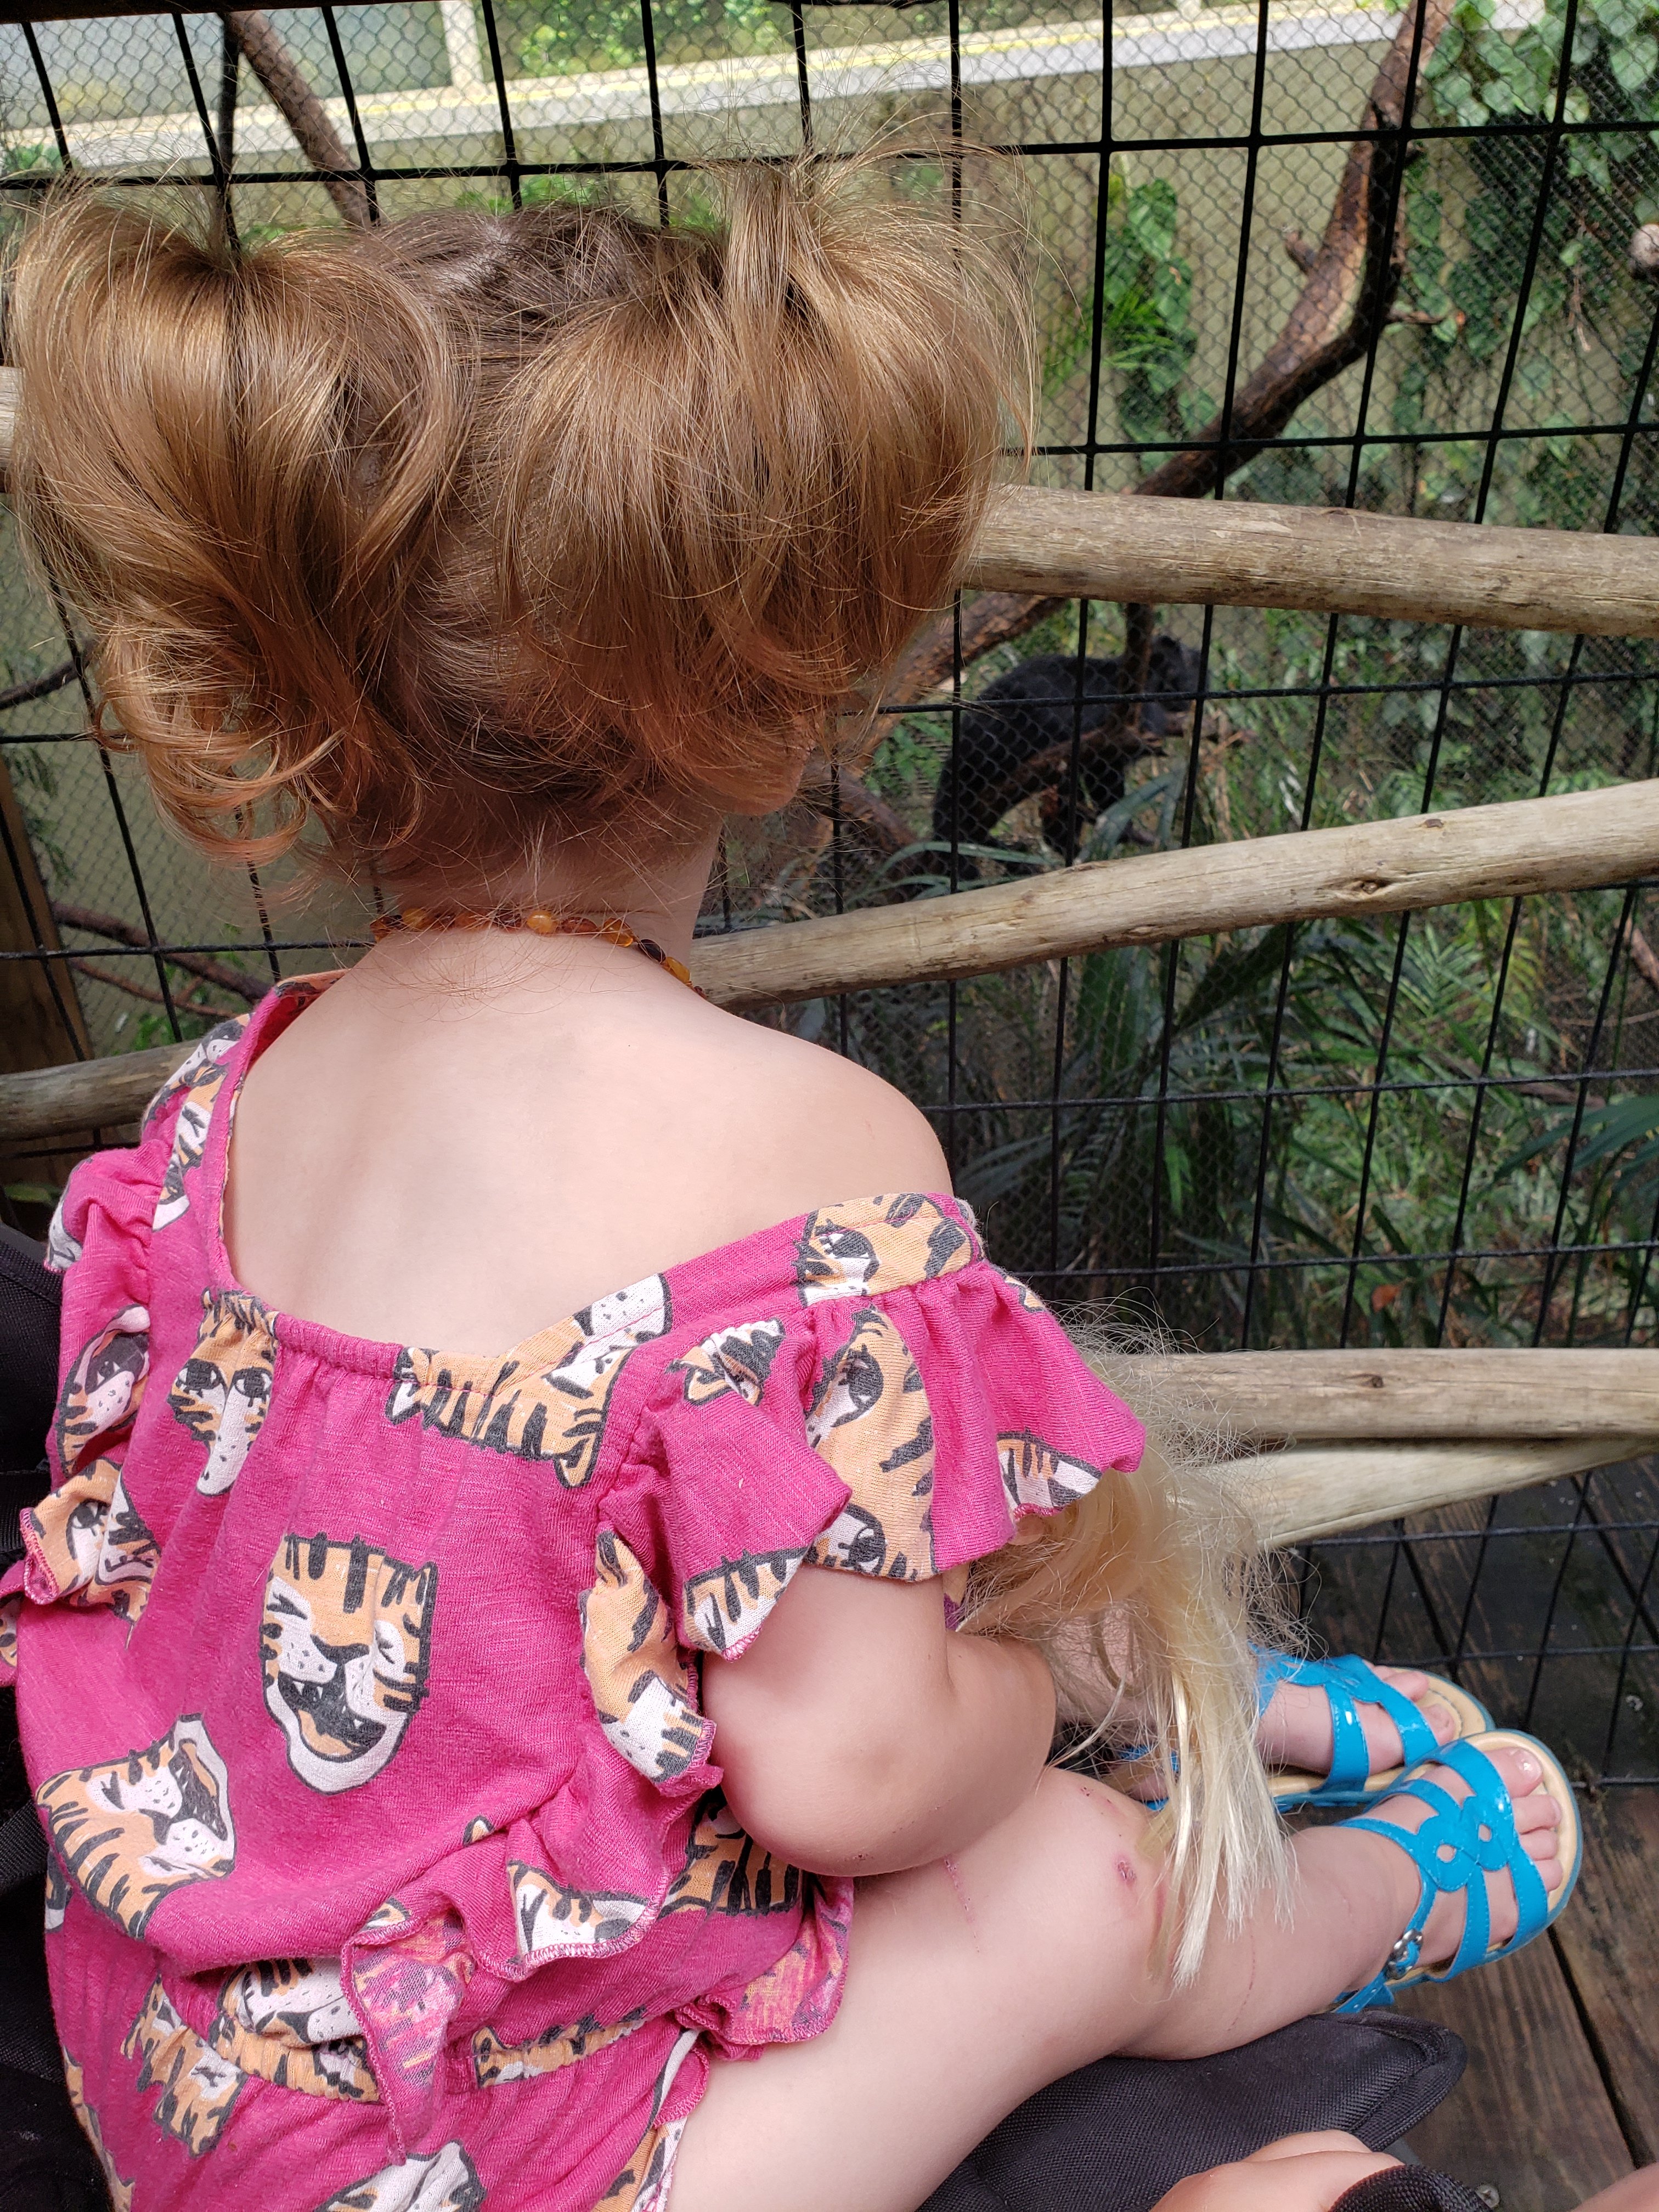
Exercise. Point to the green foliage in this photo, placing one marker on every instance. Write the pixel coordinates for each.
(1584, 321)
(1088, 1168)
(152, 1027)
(1147, 335)
(30, 161)
(539, 191)
(610, 33)
(1480, 74)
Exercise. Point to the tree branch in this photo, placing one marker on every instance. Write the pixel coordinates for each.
(269, 58)
(861, 811)
(38, 687)
(1643, 958)
(987, 621)
(111, 926)
(1352, 278)
(186, 1002)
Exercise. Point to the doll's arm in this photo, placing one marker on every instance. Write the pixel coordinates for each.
(1299, 2173)
(859, 1736)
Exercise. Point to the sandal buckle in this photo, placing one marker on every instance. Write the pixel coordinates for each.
(1403, 1957)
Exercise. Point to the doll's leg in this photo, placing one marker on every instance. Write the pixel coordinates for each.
(974, 1981)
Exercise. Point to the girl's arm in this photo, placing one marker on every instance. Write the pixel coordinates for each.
(857, 1735)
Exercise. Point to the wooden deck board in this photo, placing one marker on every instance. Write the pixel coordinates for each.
(1532, 2117)
(1608, 1942)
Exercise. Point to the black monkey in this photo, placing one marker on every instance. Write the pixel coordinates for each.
(1033, 708)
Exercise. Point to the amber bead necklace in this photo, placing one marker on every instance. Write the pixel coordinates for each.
(540, 922)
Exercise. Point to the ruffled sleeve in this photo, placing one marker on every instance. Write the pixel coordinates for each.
(11, 1606)
(100, 1241)
(85, 1542)
(1019, 1423)
(898, 1435)
(723, 1498)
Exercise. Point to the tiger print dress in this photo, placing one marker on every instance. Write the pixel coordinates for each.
(359, 1683)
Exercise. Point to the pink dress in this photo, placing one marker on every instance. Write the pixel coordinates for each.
(359, 1683)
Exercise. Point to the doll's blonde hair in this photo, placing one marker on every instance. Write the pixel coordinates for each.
(1146, 1597)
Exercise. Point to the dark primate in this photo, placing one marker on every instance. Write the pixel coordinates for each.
(1033, 709)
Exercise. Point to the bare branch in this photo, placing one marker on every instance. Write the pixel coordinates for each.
(987, 621)
(1352, 278)
(244, 988)
(38, 687)
(269, 58)
(1301, 250)
(1423, 319)
(861, 811)
(187, 1003)
(1643, 958)
(1352, 283)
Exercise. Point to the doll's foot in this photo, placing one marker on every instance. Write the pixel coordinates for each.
(1490, 1844)
(1339, 1731)
(1296, 1728)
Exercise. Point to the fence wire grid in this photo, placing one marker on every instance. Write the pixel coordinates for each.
(1316, 251)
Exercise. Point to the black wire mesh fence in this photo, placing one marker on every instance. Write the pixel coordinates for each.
(1308, 251)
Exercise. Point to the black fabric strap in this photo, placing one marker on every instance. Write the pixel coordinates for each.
(30, 1297)
(22, 1848)
(1114, 2136)
(1409, 2189)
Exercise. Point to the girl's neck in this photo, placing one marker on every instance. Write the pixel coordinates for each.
(658, 893)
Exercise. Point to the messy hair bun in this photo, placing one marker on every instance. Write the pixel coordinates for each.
(425, 534)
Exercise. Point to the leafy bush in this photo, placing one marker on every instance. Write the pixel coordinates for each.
(610, 33)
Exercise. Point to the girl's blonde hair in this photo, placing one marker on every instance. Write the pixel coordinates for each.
(1145, 1597)
(476, 529)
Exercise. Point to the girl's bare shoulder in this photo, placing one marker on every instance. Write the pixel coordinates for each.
(831, 1128)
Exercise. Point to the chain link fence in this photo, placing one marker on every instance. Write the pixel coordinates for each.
(1313, 251)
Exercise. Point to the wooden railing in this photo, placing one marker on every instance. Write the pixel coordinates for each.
(1329, 1440)
(1322, 560)
(1577, 841)
(1376, 1435)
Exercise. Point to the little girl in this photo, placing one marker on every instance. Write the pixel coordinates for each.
(548, 1777)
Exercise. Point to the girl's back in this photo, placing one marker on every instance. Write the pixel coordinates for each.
(463, 1097)
(362, 1674)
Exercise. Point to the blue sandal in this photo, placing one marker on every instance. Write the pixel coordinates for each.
(1457, 1846)
(1348, 1683)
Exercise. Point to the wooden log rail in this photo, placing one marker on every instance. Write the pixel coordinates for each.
(1577, 841)
(1321, 560)
(1380, 1435)
(1353, 1397)
(1297, 1497)
(1102, 545)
